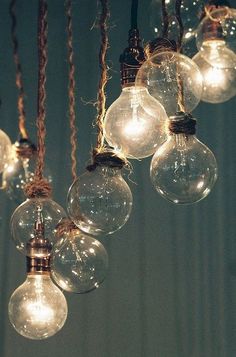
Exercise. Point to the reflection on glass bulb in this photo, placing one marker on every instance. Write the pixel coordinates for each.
(20, 170)
(218, 82)
(183, 170)
(25, 216)
(79, 264)
(166, 74)
(5, 150)
(100, 201)
(134, 123)
(37, 308)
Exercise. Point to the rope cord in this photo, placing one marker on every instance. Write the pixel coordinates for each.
(19, 81)
(40, 187)
(101, 102)
(71, 89)
(178, 4)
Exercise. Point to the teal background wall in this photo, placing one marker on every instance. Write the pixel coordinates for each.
(171, 286)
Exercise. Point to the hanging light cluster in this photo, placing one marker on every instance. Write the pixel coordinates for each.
(161, 86)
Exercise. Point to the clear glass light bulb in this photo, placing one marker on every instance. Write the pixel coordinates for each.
(5, 150)
(20, 171)
(183, 170)
(37, 308)
(25, 215)
(80, 263)
(100, 201)
(166, 75)
(190, 13)
(134, 123)
(218, 25)
(219, 78)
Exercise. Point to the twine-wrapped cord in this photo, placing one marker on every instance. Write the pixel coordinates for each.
(182, 123)
(71, 89)
(40, 187)
(19, 81)
(101, 102)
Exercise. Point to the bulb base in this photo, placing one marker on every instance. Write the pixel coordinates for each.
(106, 158)
(160, 44)
(38, 265)
(25, 148)
(131, 59)
(182, 123)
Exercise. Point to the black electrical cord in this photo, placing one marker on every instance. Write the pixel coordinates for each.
(165, 19)
(134, 15)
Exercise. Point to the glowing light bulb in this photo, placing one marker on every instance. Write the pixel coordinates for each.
(37, 308)
(5, 150)
(166, 75)
(218, 68)
(20, 170)
(24, 217)
(134, 123)
(100, 201)
(183, 170)
(79, 264)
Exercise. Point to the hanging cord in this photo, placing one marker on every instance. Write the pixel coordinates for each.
(180, 99)
(71, 89)
(101, 104)
(165, 19)
(178, 4)
(19, 81)
(40, 186)
(134, 15)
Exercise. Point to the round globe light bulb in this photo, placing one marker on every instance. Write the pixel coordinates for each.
(80, 263)
(5, 150)
(20, 170)
(169, 75)
(183, 170)
(37, 308)
(100, 201)
(218, 25)
(218, 79)
(24, 217)
(134, 123)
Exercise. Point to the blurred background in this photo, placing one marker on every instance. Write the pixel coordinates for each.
(171, 285)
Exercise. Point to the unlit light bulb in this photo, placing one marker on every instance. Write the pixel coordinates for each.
(166, 75)
(37, 308)
(183, 170)
(100, 201)
(79, 263)
(134, 123)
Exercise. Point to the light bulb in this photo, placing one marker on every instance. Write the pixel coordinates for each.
(183, 170)
(190, 11)
(25, 215)
(20, 170)
(37, 308)
(100, 201)
(217, 26)
(134, 123)
(80, 263)
(167, 75)
(218, 79)
(5, 150)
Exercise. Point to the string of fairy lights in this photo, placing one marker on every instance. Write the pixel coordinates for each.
(160, 87)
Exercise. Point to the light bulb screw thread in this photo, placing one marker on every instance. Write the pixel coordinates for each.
(182, 123)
